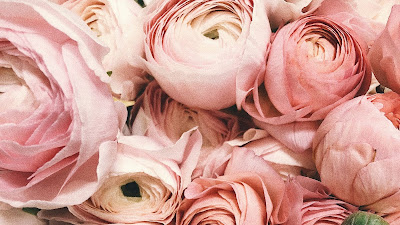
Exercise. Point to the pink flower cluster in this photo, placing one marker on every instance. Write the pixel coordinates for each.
(178, 112)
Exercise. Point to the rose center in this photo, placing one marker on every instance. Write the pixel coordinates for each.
(131, 189)
(213, 34)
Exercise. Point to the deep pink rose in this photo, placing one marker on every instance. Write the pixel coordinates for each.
(250, 192)
(119, 27)
(384, 54)
(145, 184)
(311, 203)
(314, 65)
(206, 54)
(58, 121)
(356, 152)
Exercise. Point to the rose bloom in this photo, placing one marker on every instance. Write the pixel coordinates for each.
(118, 26)
(384, 54)
(356, 152)
(58, 121)
(206, 54)
(312, 203)
(314, 65)
(145, 184)
(250, 192)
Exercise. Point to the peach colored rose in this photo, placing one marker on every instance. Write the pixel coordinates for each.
(119, 27)
(314, 65)
(356, 152)
(250, 192)
(384, 53)
(58, 121)
(206, 54)
(312, 203)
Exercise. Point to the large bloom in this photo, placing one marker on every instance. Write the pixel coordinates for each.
(314, 65)
(384, 54)
(356, 152)
(312, 203)
(58, 122)
(206, 54)
(250, 192)
(145, 184)
(119, 27)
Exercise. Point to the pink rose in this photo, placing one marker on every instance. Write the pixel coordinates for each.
(118, 26)
(311, 203)
(314, 65)
(384, 54)
(250, 192)
(58, 121)
(206, 54)
(356, 152)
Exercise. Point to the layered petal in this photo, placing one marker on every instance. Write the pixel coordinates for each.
(206, 54)
(314, 65)
(348, 141)
(119, 27)
(51, 82)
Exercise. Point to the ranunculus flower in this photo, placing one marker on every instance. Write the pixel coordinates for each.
(250, 192)
(145, 185)
(119, 27)
(206, 54)
(384, 54)
(312, 203)
(157, 115)
(356, 152)
(285, 161)
(314, 65)
(58, 121)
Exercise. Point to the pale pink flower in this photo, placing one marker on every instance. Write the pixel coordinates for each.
(312, 203)
(118, 25)
(145, 184)
(58, 121)
(206, 54)
(314, 65)
(356, 152)
(250, 192)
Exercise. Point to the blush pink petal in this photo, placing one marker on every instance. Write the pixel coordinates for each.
(58, 159)
(348, 141)
(189, 66)
(384, 54)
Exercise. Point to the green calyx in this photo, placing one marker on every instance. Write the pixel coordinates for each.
(364, 218)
